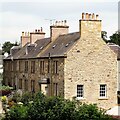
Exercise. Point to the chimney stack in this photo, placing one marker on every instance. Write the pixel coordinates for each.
(58, 28)
(38, 34)
(90, 25)
(25, 38)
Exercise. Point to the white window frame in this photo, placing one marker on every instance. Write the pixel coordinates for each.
(80, 91)
(103, 91)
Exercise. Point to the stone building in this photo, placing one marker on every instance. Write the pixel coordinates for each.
(77, 65)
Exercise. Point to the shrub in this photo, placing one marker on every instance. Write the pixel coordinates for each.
(5, 90)
(53, 108)
(18, 112)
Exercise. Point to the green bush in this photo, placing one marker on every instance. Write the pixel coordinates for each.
(18, 112)
(54, 108)
(91, 112)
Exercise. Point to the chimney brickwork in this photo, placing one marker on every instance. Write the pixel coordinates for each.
(31, 37)
(58, 28)
(90, 25)
(38, 34)
(25, 38)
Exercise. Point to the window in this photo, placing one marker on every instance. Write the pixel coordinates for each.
(11, 66)
(55, 64)
(42, 68)
(32, 66)
(26, 66)
(55, 89)
(20, 66)
(26, 85)
(6, 66)
(15, 66)
(80, 91)
(103, 90)
(20, 83)
(33, 85)
(48, 66)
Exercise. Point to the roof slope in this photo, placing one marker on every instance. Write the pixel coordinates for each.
(57, 48)
(61, 45)
(115, 48)
(34, 49)
(40, 45)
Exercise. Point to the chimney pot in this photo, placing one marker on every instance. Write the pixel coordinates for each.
(89, 16)
(22, 33)
(86, 16)
(83, 14)
(93, 16)
(25, 33)
(62, 22)
(41, 29)
(97, 17)
(35, 30)
(56, 23)
(65, 22)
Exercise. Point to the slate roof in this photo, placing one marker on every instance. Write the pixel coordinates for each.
(43, 47)
(115, 48)
(60, 46)
(57, 48)
(18, 54)
(30, 50)
(39, 46)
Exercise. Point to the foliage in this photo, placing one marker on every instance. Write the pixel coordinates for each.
(7, 46)
(54, 108)
(5, 90)
(27, 97)
(3, 87)
(115, 38)
(91, 112)
(18, 112)
(104, 36)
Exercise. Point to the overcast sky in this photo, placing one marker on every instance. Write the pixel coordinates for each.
(16, 17)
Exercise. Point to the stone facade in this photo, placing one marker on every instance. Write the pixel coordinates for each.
(17, 76)
(90, 63)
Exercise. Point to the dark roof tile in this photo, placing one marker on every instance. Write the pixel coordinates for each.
(60, 46)
(115, 48)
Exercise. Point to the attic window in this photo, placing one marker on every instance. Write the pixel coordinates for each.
(41, 48)
(66, 45)
(53, 46)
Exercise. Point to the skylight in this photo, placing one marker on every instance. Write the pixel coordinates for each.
(41, 48)
(53, 46)
(66, 45)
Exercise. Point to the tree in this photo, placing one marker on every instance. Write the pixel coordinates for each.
(104, 36)
(7, 46)
(115, 38)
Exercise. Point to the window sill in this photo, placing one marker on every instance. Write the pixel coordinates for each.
(102, 98)
(80, 98)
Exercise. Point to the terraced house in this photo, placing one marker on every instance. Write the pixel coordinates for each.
(77, 65)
